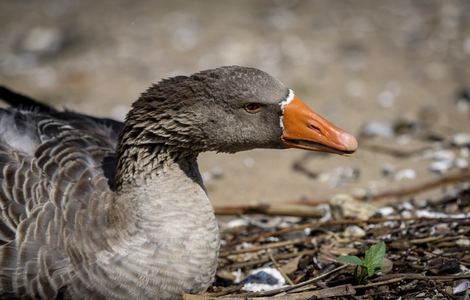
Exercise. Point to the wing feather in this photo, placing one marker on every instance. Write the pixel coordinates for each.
(47, 183)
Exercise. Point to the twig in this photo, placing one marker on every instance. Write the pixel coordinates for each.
(278, 267)
(428, 239)
(338, 222)
(271, 209)
(264, 247)
(266, 259)
(225, 292)
(373, 284)
(412, 276)
(337, 291)
(393, 278)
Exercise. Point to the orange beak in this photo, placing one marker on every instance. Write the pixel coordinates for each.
(305, 129)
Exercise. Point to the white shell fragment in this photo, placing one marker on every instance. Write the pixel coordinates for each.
(461, 287)
(263, 279)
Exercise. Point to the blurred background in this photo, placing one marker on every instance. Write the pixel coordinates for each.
(395, 73)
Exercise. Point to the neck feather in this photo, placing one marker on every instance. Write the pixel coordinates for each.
(167, 227)
(139, 164)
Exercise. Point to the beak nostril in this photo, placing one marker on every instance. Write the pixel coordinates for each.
(317, 129)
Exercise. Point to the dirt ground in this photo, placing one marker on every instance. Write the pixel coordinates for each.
(404, 64)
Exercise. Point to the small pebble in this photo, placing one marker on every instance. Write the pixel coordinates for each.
(344, 206)
(461, 163)
(463, 242)
(406, 214)
(440, 228)
(461, 139)
(441, 166)
(388, 169)
(217, 172)
(407, 206)
(42, 40)
(443, 155)
(386, 211)
(237, 223)
(405, 174)
(354, 231)
(377, 129)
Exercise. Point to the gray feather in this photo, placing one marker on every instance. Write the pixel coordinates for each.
(88, 211)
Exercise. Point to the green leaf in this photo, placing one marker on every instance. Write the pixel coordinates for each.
(374, 257)
(349, 259)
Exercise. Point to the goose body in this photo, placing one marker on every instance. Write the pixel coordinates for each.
(97, 209)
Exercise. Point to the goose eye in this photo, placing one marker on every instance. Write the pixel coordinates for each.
(253, 108)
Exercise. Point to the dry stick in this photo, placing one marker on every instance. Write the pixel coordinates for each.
(393, 278)
(428, 239)
(296, 228)
(225, 292)
(413, 276)
(266, 259)
(278, 267)
(389, 281)
(341, 290)
(339, 222)
(291, 287)
(265, 247)
(271, 209)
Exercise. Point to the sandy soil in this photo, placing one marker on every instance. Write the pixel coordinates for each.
(355, 62)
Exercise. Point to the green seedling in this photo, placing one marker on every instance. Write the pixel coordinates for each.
(367, 267)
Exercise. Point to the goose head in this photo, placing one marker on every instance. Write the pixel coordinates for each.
(230, 109)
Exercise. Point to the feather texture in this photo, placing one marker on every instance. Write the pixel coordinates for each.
(92, 208)
(44, 194)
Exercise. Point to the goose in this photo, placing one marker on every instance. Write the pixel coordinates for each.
(98, 209)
